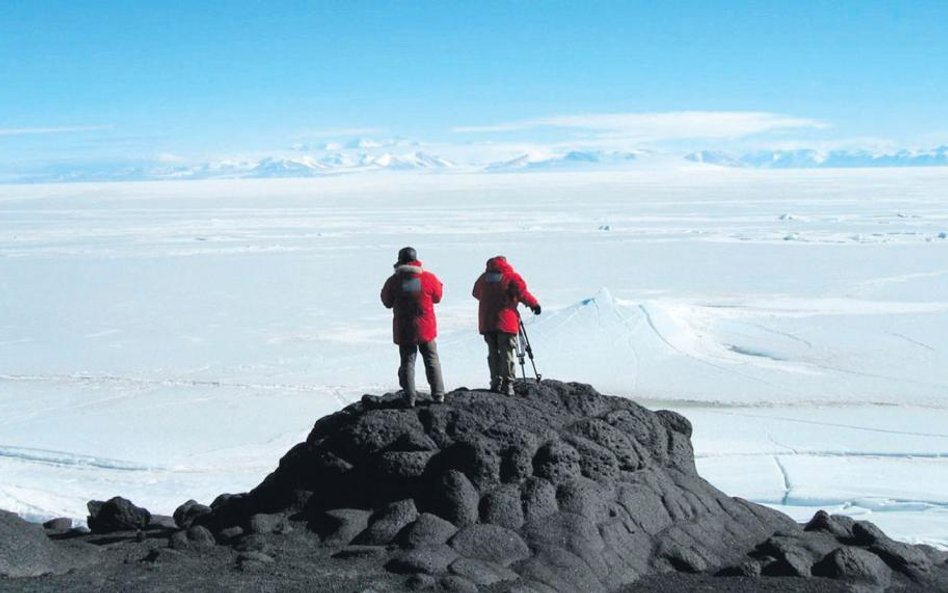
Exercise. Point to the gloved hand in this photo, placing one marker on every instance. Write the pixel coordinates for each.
(536, 310)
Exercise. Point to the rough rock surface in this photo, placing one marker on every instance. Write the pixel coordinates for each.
(116, 514)
(556, 489)
(26, 551)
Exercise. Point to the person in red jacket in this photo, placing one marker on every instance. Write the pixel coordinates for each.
(500, 289)
(411, 292)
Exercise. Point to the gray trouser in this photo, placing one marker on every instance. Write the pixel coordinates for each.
(406, 371)
(500, 356)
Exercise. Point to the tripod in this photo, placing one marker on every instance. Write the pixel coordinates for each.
(524, 349)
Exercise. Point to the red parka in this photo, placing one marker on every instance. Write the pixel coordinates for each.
(499, 289)
(412, 293)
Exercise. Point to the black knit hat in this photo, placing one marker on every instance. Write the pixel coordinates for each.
(406, 255)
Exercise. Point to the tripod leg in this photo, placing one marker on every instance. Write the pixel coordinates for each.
(529, 350)
(520, 356)
(538, 375)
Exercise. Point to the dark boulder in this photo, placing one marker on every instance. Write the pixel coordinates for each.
(187, 513)
(455, 498)
(839, 526)
(912, 561)
(503, 507)
(385, 524)
(865, 533)
(854, 565)
(116, 514)
(557, 461)
(427, 530)
(201, 536)
(538, 497)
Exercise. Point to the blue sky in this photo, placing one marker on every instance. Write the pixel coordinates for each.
(125, 79)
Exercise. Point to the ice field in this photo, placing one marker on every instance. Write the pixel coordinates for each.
(166, 341)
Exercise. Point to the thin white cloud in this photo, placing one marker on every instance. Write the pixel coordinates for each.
(58, 130)
(868, 143)
(660, 126)
(339, 132)
(169, 158)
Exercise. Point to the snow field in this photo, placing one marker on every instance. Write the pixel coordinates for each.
(165, 341)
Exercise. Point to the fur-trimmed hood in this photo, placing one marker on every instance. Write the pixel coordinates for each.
(412, 267)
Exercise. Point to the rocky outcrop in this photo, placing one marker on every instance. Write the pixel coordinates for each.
(559, 488)
(556, 489)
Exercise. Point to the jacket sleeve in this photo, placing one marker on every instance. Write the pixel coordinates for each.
(388, 297)
(478, 284)
(437, 288)
(518, 289)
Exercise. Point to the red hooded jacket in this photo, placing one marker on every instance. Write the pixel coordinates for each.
(499, 289)
(412, 293)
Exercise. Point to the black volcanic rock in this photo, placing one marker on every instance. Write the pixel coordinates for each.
(556, 489)
(116, 514)
(185, 514)
(567, 488)
(427, 530)
(855, 565)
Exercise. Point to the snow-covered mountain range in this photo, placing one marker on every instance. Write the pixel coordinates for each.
(574, 159)
(809, 158)
(366, 156)
(307, 166)
(295, 166)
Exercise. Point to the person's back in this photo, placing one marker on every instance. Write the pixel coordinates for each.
(411, 292)
(499, 290)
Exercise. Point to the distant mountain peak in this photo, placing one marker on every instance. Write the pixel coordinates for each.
(572, 159)
(807, 158)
